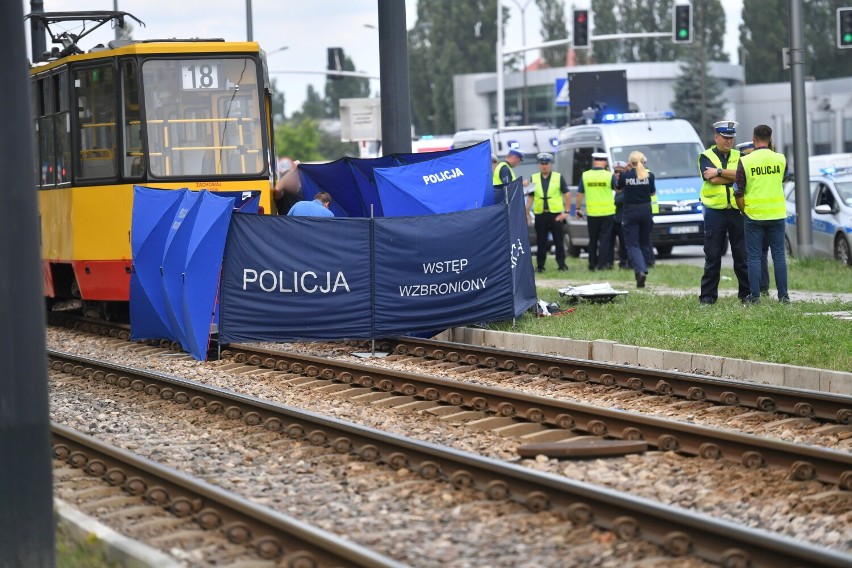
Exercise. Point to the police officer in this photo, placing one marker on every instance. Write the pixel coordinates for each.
(550, 201)
(722, 220)
(505, 170)
(760, 196)
(597, 185)
(745, 149)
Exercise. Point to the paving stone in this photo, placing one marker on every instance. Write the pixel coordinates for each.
(801, 377)
(625, 354)
(602, 350)
(767, 373)
(706, 364)
(677, 360)
(650, 357)
(835, 381)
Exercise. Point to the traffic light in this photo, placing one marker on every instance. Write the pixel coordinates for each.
(844, 28)
(335, 62)
(581, 28)
(682, 23)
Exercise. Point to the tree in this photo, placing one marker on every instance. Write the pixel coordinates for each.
(278, 105)
(344, 88)
(314, 107)
(762, 39)
(299, 139)
(698, 94)
(553, 27)
(448, 38)
(644, 16)
(606, 20)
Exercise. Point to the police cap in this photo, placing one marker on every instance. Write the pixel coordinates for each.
(600, 156)
(544, 158)
(516, 153)
(743, 146)
(726, 128)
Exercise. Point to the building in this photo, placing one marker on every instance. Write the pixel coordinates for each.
(650, 87)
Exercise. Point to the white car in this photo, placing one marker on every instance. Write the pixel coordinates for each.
(831, 215)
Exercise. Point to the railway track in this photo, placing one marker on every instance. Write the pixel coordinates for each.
(802, 462)
(687, 386)
(170, 506)
(678, 532)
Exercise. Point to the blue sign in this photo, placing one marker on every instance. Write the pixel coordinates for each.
(562, 97)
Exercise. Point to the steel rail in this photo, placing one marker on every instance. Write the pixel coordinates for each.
(691, 386)
(679, 532)
(272, 535)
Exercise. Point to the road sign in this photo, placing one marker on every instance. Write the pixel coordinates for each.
(562, 98)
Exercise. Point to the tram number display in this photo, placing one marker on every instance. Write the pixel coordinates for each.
(199, 75)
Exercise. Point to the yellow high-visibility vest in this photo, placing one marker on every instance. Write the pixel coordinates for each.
(496, 177)
(718, 196)
(764, 189)
(597, 185)
(555, 203)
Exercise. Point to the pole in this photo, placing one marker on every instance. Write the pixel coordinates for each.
(115, 9)
(26, 493)
(37, 39)
(501, 96)
(800, 131)
(393, 69)
(524, 55)
(249, 34)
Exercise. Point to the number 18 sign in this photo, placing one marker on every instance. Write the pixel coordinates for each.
(197, 75)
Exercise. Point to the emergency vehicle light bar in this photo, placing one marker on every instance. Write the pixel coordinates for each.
(830, 171)
(625, 116)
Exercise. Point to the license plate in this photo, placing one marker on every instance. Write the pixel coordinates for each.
(683, 229)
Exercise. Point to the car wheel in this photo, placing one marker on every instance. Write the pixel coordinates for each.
(664, 251)
(841, 250)
(570, 249)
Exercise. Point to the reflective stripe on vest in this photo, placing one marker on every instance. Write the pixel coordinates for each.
(718, 196)
(764, 190)
(555, 203)
(655, 207)
(496, 177)
(597, 184)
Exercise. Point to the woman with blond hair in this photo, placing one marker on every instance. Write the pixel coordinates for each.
(637, 187)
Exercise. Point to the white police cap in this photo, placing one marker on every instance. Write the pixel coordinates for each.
(600, 156)
(726, 128)
(745, 146)
(544, 157)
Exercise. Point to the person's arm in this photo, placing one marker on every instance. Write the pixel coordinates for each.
(566, 201)
(529, 206)
(714, 175)
(739, 193)
(578, 208)
(288, 182)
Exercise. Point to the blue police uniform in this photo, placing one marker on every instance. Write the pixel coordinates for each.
(722, 219)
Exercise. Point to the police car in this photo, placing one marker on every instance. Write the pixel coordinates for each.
(831, 214)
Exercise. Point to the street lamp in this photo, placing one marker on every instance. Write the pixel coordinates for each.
(523, 10)
(284, 48)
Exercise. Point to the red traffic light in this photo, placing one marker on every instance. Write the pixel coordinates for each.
(581, 28)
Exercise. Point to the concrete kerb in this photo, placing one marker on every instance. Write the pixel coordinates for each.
(610, 352)
(116, 547)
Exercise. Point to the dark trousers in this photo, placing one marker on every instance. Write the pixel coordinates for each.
(600, 240)
(722, 225)
(546, 223)
(618, 234)
(636, 226)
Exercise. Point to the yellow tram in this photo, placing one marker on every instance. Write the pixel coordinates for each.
(165, 114)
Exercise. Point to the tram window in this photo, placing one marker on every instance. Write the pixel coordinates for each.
(202, 117)
(94, 93)
(44, 124)
(133, 165)
(62, 129)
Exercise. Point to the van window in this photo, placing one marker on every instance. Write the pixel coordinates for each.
(674, 160)
(582, 162)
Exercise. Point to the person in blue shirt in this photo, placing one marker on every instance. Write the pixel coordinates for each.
(319, 207)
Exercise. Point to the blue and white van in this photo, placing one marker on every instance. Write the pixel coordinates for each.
(530, 140)
(671, 147)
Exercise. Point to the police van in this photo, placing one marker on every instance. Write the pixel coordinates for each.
(671, 147)
(530, 140)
